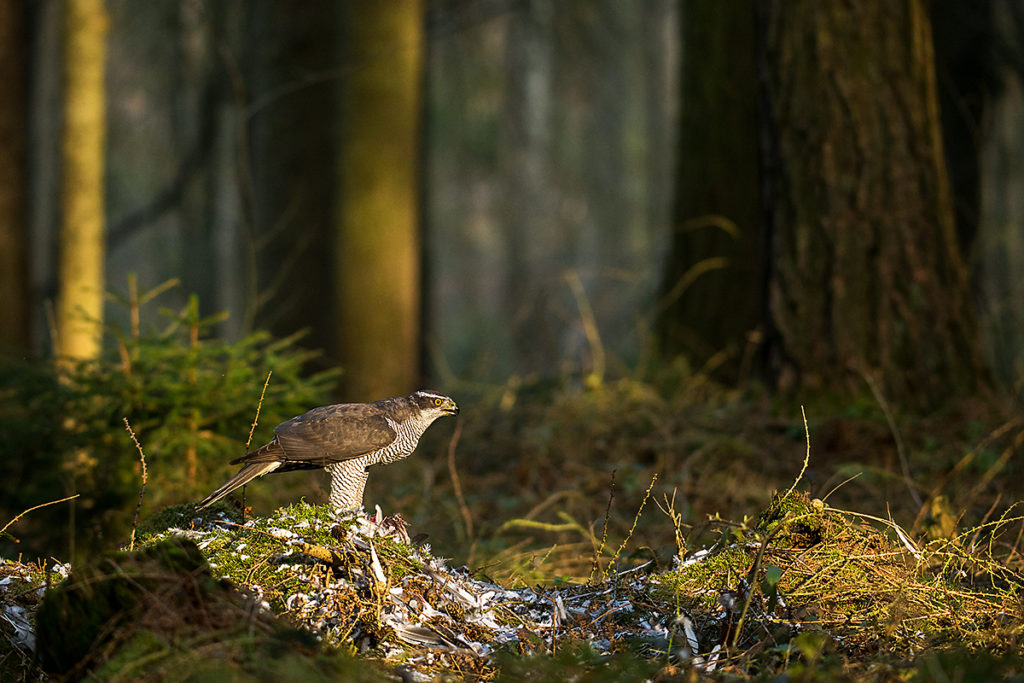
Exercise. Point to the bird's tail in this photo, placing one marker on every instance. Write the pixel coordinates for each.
(244, 476)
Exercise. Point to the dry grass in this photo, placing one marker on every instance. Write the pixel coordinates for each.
(546, 457)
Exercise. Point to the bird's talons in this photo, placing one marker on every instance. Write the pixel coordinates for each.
(369, 526)
(394, 525)
(347, 514)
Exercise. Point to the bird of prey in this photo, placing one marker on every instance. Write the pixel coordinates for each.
(345, 439)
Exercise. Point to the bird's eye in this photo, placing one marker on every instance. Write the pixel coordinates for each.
(437, 401)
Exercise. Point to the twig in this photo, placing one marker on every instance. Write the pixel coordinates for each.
(145, 478)
(35, 507)
(636, 520)
(840, 485)
(677, 522)
(901, 451)
(807, 455)
(750, 594)
(984, 521)
(252, 428)
(590, 331)
(992, 471)
(1016, 544)
(902, 535)
(969, 457)
(756, 567)
(569, 524)
(549, 501)
(259, 405)
(457, 484)
(604, 532)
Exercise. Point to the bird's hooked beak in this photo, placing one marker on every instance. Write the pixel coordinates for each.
(451, 408)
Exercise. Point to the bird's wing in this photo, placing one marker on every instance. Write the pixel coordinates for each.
(334, 433)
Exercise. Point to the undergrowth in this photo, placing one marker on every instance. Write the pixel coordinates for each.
(548, 480)
(188, 396)
(803, 591)
(902, 559)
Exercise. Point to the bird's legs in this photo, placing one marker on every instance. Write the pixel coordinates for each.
(348, 479)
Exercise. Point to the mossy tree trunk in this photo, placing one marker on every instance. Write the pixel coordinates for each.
(14, 282)
(713, 290)
(377, 256)
(79, 311)
(867, 276)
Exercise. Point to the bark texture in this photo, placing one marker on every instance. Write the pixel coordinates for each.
(867, 273)
(14, 282)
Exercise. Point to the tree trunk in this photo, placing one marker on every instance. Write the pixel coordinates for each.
(378, 248)
(530, 232)
(713, 291)
(294, 83)
(14, 283)
(81, 270)
(1000, 244)
(867, 275)
(967, 60)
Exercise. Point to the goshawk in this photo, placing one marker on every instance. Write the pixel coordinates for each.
(344, 439)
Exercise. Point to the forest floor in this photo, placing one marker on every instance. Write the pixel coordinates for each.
(627, 531)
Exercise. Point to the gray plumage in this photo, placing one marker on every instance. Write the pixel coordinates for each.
(344, 439)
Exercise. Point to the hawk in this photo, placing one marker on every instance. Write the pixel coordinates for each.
(345, 439)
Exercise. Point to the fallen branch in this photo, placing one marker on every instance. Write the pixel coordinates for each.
(35, 507)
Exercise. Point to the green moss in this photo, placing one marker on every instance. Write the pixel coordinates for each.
(184, 516)
(802, 517)
(255, 553)
(698, 584)
(718, 570)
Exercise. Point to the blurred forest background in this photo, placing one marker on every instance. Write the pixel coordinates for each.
(628, 237)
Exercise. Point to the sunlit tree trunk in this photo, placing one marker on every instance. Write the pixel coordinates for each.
(14, 284)
(377, 257)
(79, 311)
(868, 277)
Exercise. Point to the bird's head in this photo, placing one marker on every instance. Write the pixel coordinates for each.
(431, 402)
